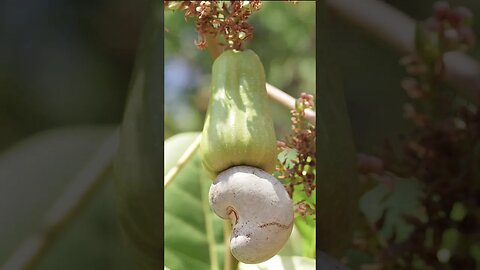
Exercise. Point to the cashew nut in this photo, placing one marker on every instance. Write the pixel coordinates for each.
(260, 210)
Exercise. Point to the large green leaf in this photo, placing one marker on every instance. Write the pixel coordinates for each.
(33, 174)
(338, 185)
(193, 233)
(175, 148)
(93, 240)
(138, 166)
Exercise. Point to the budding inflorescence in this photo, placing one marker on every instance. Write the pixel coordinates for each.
(302, 171)
(448, 29)
(439, 150)
(225, 18)
(453, 25)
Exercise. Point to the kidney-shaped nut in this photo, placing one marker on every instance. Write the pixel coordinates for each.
(260, 209)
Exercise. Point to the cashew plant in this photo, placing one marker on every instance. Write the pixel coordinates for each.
(238, 156)
(224, 206)
(238, 149)
(235, 161)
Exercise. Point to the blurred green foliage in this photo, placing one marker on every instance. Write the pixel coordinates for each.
(371, 75)
(33, 175)
(62, 64)
(65, 63)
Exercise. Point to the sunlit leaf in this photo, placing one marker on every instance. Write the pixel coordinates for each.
(294, 245)
(306, 227)
(193, 233)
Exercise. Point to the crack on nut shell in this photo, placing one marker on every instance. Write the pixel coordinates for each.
(283, 226)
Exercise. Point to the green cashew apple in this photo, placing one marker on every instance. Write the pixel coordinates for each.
(238, 127)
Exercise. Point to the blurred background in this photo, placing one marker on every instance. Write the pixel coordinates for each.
(372, 73)
(65, 62)
(65, 69)
(66, 65)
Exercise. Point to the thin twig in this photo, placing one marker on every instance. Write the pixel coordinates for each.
(186, 156)
(398, 31)
(288, 101)
(66, 208)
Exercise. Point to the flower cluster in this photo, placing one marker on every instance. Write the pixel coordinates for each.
(225, 18)
(302, 169)
(453, 25)
(441, 151)
(449, 29)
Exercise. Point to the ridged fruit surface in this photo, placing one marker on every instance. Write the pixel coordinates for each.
(238, 127)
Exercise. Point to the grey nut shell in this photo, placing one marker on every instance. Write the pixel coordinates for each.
(260, 208)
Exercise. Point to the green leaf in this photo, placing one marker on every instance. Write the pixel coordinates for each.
(282, 263)
(93, 240)
(288, 156)
(402, 200)
(193, 233)
(294, 245)
(338, 186)
(34, 173)
(306, 227)
(176, 147)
